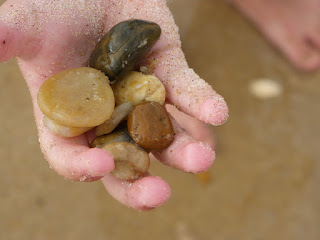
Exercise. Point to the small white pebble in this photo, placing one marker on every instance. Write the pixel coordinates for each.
(265, 88)
(143, 69)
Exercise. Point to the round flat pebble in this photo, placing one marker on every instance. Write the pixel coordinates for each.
(79, 97)
(150, 127)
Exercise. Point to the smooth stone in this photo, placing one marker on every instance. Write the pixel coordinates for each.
(123, 47)
(119, 114)
(64, 131)
(136, 87)
(150, 127)
(79, 97)
(121, 135)
(131, 162)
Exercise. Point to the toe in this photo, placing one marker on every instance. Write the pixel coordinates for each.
(299, 50)
(304, 56)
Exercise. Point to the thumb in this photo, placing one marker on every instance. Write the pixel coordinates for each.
(10, 42)
(14, 38)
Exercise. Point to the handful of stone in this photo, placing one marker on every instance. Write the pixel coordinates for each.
(124, 106)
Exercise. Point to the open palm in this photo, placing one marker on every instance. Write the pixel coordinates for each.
(51, 36)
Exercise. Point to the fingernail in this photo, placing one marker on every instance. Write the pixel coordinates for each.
(197, 157)
(214, 110)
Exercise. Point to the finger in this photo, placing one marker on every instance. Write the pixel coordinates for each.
(185, 89)
(186, 153)
(197, 129)
(144, 194)
(70, 157)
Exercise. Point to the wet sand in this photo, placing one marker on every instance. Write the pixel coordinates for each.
(263, 185)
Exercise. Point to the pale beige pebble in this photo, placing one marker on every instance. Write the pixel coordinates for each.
(119, 114)
(131, 162)
(144, 69)
(120, 135)
(78, 97)
(265, 88)
(64, 131)
(136, 87)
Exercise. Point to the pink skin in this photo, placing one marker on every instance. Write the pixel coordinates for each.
(293, 26)
(50, 36)
(197, 129)
(185, 152)
(144, 194)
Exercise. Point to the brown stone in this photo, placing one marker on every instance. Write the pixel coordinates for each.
(150, 127)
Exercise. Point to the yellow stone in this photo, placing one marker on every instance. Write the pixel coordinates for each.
(79, 97)
(64, 131)
(136, 87)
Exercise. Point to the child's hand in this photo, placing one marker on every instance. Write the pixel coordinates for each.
(50, 36)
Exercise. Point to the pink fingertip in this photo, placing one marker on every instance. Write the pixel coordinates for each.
(100, 162)
(197, 157)
(214, 111)
(150, 192)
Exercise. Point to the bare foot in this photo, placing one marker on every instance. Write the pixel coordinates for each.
(292, 25)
